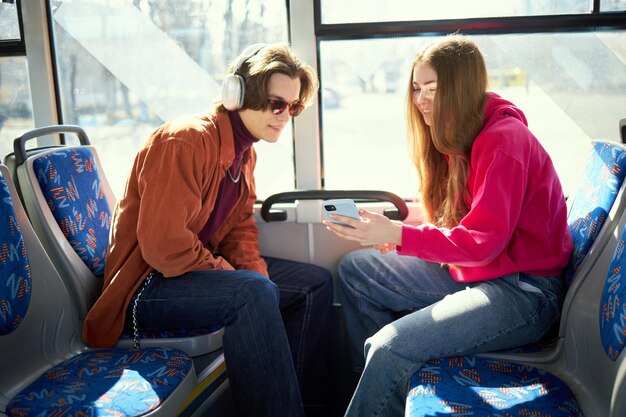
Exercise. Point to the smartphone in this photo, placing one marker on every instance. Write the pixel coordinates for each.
(341, 206)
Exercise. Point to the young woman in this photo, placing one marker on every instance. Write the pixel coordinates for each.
(483, 271)
(184, 251)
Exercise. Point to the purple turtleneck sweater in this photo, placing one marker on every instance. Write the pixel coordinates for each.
(229, 190)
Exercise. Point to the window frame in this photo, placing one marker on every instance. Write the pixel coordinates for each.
(39, 53)
(14, 47)
(593, 21)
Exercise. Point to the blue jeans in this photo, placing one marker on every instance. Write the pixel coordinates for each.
(442, 318)
(274, 328)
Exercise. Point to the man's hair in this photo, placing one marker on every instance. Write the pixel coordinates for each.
(457, 118)
(273, 59)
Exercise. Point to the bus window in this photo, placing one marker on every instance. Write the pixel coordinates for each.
(16, 115)
(125, 69)
(612, 5)
(391, 10)
(571, 87)
(9, 27)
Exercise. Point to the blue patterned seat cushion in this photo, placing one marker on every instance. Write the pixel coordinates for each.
(71, 185)
(108, 382)
(468, 385)
(604, 174)
(15, 279)
(613, 304)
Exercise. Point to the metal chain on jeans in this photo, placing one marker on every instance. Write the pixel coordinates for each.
(136, 301)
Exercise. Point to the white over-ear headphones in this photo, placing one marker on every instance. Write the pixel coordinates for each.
(233, 85)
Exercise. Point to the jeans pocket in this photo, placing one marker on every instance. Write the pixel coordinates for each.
(550, 287)
(525, 286)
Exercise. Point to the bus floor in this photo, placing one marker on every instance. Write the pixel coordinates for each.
(218, 399)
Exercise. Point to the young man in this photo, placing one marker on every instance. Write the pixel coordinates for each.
(184, 251)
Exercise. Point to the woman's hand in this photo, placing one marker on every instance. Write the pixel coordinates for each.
(372, 230)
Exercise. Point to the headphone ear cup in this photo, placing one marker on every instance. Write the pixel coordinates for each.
(233, 92)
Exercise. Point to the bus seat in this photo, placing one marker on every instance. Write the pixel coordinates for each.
(585, 375)
(594, 214)
(69, 202)
(594, 200)
(598, 204)
(46, 369)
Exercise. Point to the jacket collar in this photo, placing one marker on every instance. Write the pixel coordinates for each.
(227, 141)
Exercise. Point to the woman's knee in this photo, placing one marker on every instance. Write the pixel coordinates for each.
(381, 346)
(351, 266)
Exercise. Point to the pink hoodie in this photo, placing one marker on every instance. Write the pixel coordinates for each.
(518, 217)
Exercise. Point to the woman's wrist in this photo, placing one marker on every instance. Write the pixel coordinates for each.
(397, 233)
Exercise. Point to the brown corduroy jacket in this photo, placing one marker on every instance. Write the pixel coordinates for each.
(170, 193)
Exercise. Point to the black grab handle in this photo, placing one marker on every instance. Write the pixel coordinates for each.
(19, 144)
(401, 212)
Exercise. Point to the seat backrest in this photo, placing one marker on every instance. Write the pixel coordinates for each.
(596, 194)
(70, 203)
(38, 326)
(592, 357)
(598, 205)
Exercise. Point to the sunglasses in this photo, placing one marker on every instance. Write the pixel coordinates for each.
(278, 106)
